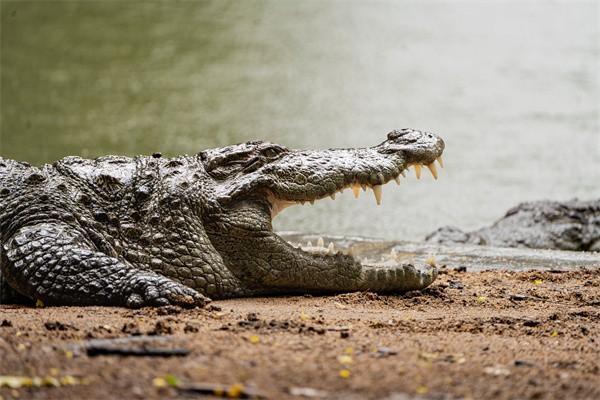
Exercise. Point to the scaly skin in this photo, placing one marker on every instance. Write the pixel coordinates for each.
(571, 225)
(149, 231)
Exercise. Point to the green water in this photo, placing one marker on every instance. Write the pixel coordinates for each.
(512, 87)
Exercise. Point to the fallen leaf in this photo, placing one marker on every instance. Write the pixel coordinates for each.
(254, 339)
(306, 392)
(344, 373)
(159, 382)
(497, 370)
(421, 389)
(235, 390)
(345, 359)
(172, 380)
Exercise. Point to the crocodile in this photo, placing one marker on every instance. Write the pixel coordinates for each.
(153, 231)
(570, 225)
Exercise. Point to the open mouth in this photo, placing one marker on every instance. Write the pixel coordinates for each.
(320, 247)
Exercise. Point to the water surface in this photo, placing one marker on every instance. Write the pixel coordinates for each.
(512, 87)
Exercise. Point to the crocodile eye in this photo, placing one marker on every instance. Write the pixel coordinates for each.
(271, 152)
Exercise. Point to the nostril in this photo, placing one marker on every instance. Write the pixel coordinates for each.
(395, 134)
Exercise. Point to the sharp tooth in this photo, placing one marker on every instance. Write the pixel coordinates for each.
(302, 202)
(377, 193)
(364, 187)
(356, 190)
(393, 254)
(309, 244)
(397, 179)
(332, 196)
(320, 242)
(331, 248)
(439, 160)
(418, 171)
(381, 178)
(433, 170)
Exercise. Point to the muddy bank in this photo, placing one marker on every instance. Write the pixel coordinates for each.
(491, 334)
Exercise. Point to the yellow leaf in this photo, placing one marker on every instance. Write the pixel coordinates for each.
(303, 316)
(69, 354)
(69, 380)
(14, 382)
(39, 303)
(159, 383)
(345, 373)
(538, 282)
(54, 371)
(554, 334)
(51, 381)
(235, 390)
(345, 359)
(349, 350)
(422, 390)
(481, 299)
(254, 339)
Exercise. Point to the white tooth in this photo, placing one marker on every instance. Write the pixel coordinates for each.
(331, 248)
(418, 171)
(364, 187)
(377, 193)
(397, 179)
(433, 170)
(356, 190)
(439, 160)
(393, 254)
(320, 242)
(332, 196)
(309, 244)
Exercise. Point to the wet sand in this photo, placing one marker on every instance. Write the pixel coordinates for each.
(490, 334)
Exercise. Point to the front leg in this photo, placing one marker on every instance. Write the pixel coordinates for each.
(54, 263)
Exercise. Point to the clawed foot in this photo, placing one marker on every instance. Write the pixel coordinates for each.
(156, 291)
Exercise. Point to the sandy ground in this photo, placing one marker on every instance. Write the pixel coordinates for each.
(501, 335)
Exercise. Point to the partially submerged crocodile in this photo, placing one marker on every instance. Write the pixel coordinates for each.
(571, 225)
(149, 231)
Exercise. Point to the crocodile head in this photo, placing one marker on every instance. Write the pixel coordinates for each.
(255, 181)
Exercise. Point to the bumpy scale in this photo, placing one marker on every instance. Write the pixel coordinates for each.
(149, 231)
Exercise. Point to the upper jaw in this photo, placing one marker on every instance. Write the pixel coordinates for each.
(373, 180)
(307, 176)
